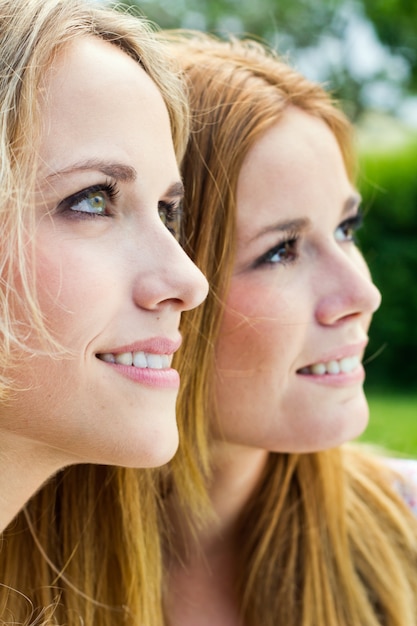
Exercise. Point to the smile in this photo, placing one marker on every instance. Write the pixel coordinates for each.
(345, 366)
(137, 359)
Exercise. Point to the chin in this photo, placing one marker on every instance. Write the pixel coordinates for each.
(351, 423)
(158, 453)
(333, 427)
(138, 447)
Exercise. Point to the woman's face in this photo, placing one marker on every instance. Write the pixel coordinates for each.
(112, 279)
(289, 354)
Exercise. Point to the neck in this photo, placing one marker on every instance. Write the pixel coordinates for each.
(236, 472)
(24, 468)
(201, 583)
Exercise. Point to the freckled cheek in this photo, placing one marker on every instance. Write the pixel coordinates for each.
(239, 340)
(254, 330)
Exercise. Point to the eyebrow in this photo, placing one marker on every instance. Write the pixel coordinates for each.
(118, 171)
(352, 203)
(297, 225)
(302, 224)
(175, 190)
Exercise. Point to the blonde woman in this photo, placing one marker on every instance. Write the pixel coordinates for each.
(282, 524)
(93, 283)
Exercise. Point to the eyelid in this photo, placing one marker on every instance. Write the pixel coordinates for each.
(109, 188)
(172, 212)
(356, 219)
(170, 203)
(354, 222)
(290, 238)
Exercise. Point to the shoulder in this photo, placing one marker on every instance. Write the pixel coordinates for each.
(405, 480)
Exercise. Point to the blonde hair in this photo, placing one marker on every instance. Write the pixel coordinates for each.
(324, 539)
(85, 549)
(32, 33)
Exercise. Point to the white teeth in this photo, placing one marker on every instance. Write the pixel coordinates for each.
(318, 368)
(345, 365)
(349, 364)
(332, 367)
(154, 361)
(124, 358)
(137, 359)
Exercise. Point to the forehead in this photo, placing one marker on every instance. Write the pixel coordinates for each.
(295, 165)
(89, 68)
(87, 53)
(96, 102)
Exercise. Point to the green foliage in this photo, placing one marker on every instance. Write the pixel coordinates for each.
(302, 20)
(320, 36)
(396, 24)
(388, 184)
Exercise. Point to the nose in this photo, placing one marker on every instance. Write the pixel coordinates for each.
(170, 277)
(346, 289)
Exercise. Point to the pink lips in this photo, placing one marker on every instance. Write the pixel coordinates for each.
(338, 368)
(145, 362)
(154, 345)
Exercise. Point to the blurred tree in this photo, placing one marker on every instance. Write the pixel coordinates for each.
(364, 50)
(396, 24)
(389, 241)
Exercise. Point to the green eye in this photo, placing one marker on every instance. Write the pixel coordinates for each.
(163, 216)
(94, 202)
(170, 215)
(97, 200)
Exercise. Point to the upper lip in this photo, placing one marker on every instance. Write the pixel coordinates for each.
(154, 345)
(337, 354)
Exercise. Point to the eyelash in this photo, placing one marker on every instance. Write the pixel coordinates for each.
(353, 224)
(108, 190)
(171, 216)
(289, 244)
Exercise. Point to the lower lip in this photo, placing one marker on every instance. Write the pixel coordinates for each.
(343, 379)
(164, 378)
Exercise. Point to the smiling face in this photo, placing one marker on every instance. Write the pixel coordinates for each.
(288, 357)
(112, 280)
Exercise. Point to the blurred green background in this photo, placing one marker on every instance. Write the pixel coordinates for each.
(365, 51)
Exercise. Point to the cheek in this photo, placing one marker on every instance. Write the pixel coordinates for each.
(58, 287)
(71, 289)
(257, 326)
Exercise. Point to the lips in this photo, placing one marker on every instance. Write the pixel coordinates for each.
(138, 359)
(333, 367)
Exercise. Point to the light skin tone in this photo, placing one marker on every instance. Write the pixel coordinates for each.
(112, 279)
(289, 374)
